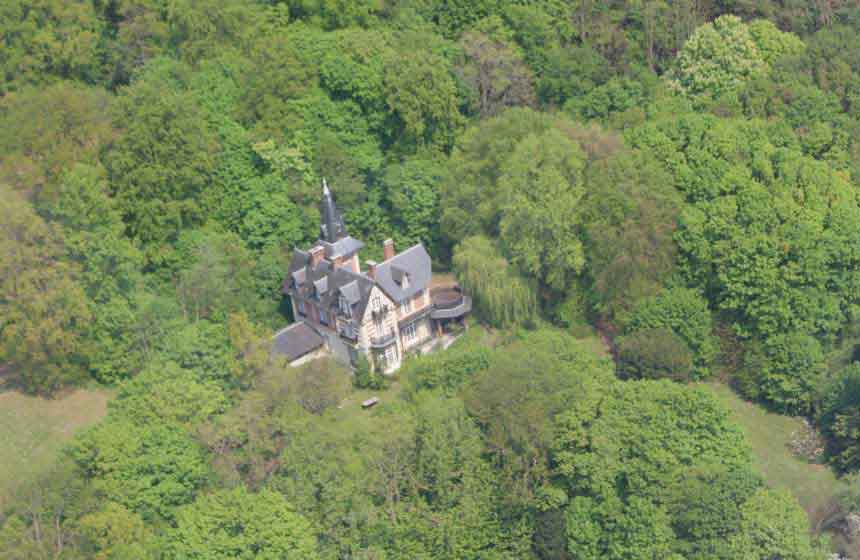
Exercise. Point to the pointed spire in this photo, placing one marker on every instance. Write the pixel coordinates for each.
(331, 228)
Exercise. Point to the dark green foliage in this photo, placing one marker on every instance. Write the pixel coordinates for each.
(364, 377)
(686, 314)
(655, 353)
(654, 171)
(840, 418)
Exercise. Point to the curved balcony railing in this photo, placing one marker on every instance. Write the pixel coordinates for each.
(449, 303)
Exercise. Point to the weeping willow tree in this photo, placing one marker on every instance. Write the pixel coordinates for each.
(501, 295)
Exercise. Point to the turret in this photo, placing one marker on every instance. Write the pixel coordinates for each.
(331, 228)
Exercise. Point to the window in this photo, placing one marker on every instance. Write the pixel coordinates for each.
(323, 317)
(406, 306)
(376, 303)
(345, 307)
(391, 355)
(301, 308)
(409, 332)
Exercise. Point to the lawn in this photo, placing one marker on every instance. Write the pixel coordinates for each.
(32, 430)
(769, 435)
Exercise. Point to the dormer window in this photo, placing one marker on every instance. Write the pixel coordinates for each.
(345, 308)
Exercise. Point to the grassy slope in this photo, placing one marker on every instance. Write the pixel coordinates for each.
(32, 430)
(769, 434)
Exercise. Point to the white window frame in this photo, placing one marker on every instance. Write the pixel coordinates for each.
(376, 303)
(406, 306)
(390, 355)
(409, 332)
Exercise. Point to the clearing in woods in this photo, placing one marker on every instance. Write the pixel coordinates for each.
(33, 429)
(769, 435)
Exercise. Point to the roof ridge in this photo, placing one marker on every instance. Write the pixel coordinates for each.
(403, 252)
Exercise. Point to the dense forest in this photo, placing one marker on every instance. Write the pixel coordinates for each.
(679, 179)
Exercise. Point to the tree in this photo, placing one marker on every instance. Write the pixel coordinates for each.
(412, 189)
(239, 524)
(773, 526)
(421, 94)
(45, 131)
(45, 312)
(110, 530)
(318, 385)
(161, 163)
(540, 221)
(840, 418)
(149, 469)
(48, 39)
(685, 312)
(620, 452)
(723, 54)
(517, 397)
(497, 75)
(502, 296)
(654, 353)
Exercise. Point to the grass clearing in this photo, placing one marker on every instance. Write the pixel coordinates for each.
(769, 435)
(33, 429)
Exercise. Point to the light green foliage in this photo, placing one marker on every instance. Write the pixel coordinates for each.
(43, 132)
(517, 397)
(472, 200)
(723, 54)
(685, 312)
(166, 393)
(48, 39)
(618, 454)
(110, 530)
(240, 524)
(773, 526)
(448, 371)
(500, 294)
(539, 225)
(149, 469)
(44, 311)
(792, 374)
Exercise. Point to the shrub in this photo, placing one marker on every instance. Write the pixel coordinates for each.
(655, 354)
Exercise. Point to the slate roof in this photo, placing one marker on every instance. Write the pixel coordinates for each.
(414, 263)
(343, 247)
(328, 282)
(296, 340)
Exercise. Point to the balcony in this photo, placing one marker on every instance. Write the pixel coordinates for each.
(382, 341)
(449, 303)
(348, 333)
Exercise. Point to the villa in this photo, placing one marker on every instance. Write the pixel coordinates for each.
(384, 310)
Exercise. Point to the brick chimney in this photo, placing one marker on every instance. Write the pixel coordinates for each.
(371, 269)
(317, 254)
(388, 248)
